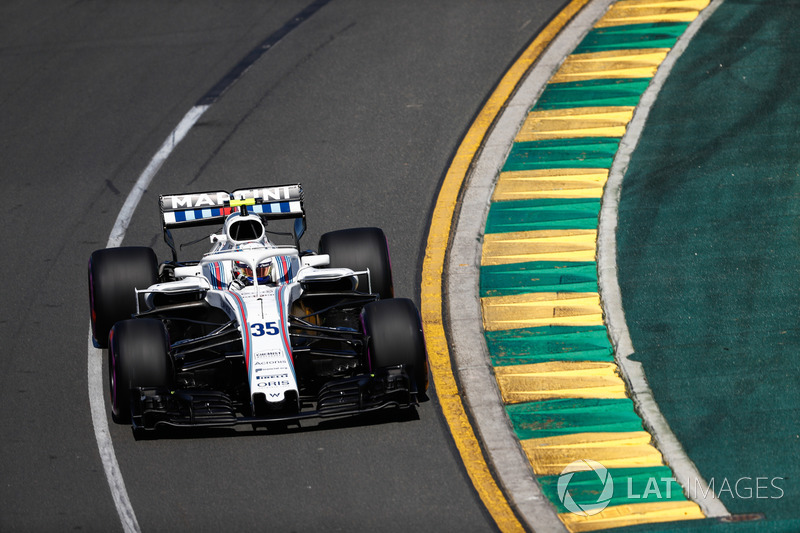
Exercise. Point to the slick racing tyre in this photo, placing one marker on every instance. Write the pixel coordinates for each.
(114, 273)
(395, 337)
(138, 356)
(360, 249)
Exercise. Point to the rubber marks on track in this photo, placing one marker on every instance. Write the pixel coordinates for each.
(542, 314)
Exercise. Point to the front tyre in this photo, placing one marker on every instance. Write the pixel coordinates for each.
(114, 274)
(138, 356)
(394, 329)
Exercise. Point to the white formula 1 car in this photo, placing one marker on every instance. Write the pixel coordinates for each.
(253, 332)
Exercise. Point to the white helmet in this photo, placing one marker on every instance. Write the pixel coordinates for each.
(263, 272)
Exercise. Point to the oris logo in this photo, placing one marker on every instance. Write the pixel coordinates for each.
(278, 383)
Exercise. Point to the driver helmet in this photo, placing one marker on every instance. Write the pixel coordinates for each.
(263, 272)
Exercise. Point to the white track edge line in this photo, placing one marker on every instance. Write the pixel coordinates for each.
(633, 371)
(469, 351)
(105, 445)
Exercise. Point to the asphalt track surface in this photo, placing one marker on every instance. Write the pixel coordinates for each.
(364, 103)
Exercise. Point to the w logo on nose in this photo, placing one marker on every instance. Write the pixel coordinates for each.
(585, 508)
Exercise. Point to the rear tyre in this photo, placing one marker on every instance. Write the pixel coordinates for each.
(361, 249)
(114, 273)
(138, 356)
(395, 336)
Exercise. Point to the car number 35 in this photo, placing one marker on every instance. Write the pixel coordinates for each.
(266, 328)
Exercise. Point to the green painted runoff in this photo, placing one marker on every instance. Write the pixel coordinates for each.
(709, 255)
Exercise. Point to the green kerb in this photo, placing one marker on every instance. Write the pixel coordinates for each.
(594, 152)
(549, 343)
(634, 36)
(536, 420)
(631, 485)
(541, 214)
(593, 93)
(538, 276)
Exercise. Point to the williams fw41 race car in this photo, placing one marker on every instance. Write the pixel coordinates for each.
(254, 332)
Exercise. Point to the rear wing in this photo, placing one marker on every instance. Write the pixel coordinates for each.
(212, 207)
(209, 208)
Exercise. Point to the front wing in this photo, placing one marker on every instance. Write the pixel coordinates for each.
(387, 388)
